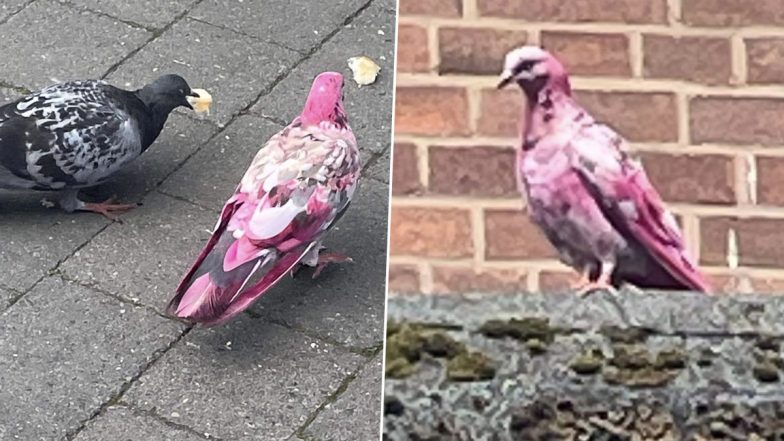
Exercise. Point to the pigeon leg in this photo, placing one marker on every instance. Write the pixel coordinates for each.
(326, 258)
(601, 284)
(585, 279)
(70, 202)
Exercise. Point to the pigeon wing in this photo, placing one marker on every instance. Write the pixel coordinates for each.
(621, 188)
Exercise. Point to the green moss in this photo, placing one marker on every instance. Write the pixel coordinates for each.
(470, 366)
(588, 364)
(766, 372)
(630, 335)
(630, 357)
(524, 329)
(409, 342)
(672, 359)
(536, 346)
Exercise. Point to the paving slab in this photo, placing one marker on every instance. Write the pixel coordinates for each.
(346, 302)
(147, 13)
(234, 68)
(144, 258)
(360, 404)
(369, 108)
(247, 380)
(41, 42)
(380, 169)
(6, 296)
(120, 423)
(36, 238)
(210, 177)
(10, 7)
(279, 20)
(65, 350)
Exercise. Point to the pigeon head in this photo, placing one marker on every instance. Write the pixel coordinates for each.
(325, 101)
(167, 93)
(533, 68)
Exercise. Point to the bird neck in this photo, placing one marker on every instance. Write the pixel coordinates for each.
(155, 114)
(544, 110)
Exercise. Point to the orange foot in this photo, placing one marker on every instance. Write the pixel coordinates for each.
(107, 209)
(325, 259)
(599, 285)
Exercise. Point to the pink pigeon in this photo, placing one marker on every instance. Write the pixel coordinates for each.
(298, 185)
(592, 200)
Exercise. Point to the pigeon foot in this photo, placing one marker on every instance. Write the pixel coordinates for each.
(599, 285)
(325, 259)
(108, 209)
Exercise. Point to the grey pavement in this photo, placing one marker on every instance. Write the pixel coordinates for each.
(86, 351)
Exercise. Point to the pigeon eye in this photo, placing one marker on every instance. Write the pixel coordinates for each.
(525, 65)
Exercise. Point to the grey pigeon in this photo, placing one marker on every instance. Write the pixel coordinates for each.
(79, 134)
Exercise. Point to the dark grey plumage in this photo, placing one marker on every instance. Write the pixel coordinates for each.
(78, 134)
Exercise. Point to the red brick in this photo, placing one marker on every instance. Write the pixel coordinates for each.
(472, 171)
(412, 49)
(509, 234)
(590, 54)
(436, 8)
(481, 51)
(702, 179)
(431, 232)
(731, 13)
(436, 111)
(765, 60)
(556, 281)
(770, 180)
(501, 113)
(737, 120)
(637, 116)
(447, 280)
(405, 170)
(768, 285)
(759, 241)
(700, 59)
(724, 283)
(404, 279)
(619, 11)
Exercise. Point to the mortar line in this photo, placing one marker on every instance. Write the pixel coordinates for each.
(113, 68)
(331, 398)
(157, 355)
(161, 419)
(18, 11)
(245, 34)
(133, 24)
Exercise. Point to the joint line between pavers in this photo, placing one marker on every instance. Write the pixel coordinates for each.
(22, 8)
(154, 36)
(187, 201)
(133, 24)
(245, 34)
(161, 419)
(367, 352)
(157, 355)
(331, 398)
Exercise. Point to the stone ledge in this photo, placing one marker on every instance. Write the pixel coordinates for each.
(639, 365)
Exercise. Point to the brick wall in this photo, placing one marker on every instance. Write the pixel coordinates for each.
(696, 86)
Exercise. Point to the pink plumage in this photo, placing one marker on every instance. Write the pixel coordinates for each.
(298, 185)
(592, 200)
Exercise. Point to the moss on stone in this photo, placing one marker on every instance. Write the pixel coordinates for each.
(527, 328)
(470, 366)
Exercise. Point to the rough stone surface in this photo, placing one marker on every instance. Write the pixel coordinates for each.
(101, 41)
(258, 376)
(147, 13)
(360, 403)
(263, 20)
(65, 350)
(716, 349)
(234, 68)
(121, 421)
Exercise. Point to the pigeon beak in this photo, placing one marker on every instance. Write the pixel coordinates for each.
(506, 78)
(194, 94)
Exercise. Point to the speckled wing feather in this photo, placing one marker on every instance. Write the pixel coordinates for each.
(297, 187)
(630, 203)
(73, 134)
